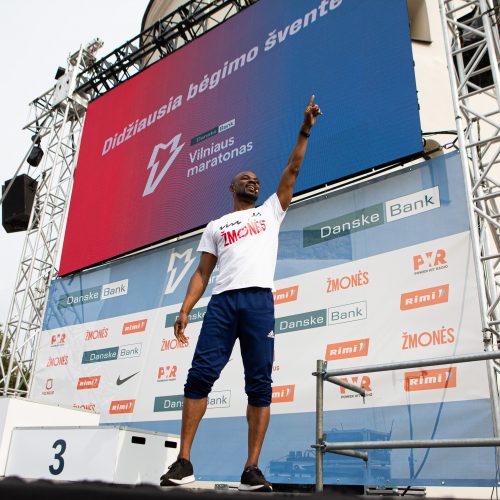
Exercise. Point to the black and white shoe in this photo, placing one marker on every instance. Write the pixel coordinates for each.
(252, 479)
(180, 472)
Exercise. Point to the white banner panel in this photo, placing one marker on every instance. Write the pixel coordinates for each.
(378, 273)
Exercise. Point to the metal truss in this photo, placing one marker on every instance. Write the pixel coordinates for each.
(57, 121)
(167, 35)
(470, 29)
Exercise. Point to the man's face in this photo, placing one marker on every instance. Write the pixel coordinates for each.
(246, 186)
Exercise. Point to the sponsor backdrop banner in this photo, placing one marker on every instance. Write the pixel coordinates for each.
(372, 274)
(159, 150)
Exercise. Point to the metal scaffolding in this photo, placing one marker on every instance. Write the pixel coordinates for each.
(58, 116)
(472, 43)
(165, 36)
(323, 375)
(57, 121)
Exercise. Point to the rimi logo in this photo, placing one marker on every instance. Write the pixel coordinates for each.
(88, 382)
(286, 294)
(283, 393)
(349, 349)
(425, 297)
(424, 380)
(134, 326)
(122, 406)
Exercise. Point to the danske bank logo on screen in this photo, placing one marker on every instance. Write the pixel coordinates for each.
(107, 291)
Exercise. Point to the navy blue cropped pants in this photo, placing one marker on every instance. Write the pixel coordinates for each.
(246, 314)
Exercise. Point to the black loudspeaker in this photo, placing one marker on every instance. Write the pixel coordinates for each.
(17, 205)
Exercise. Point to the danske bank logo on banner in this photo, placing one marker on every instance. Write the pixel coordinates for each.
(302, 321)
(216, 399)
(347, 312)
(112, 353)
(107, 291)
(372, 216)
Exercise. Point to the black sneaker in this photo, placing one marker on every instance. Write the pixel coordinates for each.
(180, 472)
(252, 479)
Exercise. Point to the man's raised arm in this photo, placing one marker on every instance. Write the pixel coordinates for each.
(289, 175)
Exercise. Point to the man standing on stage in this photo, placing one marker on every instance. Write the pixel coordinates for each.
(245, 244)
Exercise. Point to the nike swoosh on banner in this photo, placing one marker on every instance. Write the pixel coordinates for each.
(120, 381)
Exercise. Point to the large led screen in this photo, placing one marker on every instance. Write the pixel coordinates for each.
(159, 151)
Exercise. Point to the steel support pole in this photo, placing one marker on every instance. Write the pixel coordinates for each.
(350, 453)
(399, 365)
(347, 385)
(320, 371)
(417, 443)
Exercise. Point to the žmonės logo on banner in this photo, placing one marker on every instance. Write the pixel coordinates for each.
(378, 273)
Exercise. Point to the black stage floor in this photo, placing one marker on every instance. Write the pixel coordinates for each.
(19, 489)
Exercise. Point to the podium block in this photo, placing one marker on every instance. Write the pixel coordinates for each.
(20, 412)
(111, 454)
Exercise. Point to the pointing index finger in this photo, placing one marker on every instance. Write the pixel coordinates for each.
(311, 101)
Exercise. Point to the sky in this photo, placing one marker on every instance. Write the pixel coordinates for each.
(37, 36)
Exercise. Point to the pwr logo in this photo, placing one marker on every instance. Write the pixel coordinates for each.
(349, 349)
(134, 326)
(283, 393)
(424, 298)
(361, 381)
(167, 373)
(88, 382)
(98, 333)
(122, 406)
(424, 380)
(429, 261)
(172, 344)
(57, 340)
(286, 294)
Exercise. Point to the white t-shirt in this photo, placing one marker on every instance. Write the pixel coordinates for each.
(246, 246)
